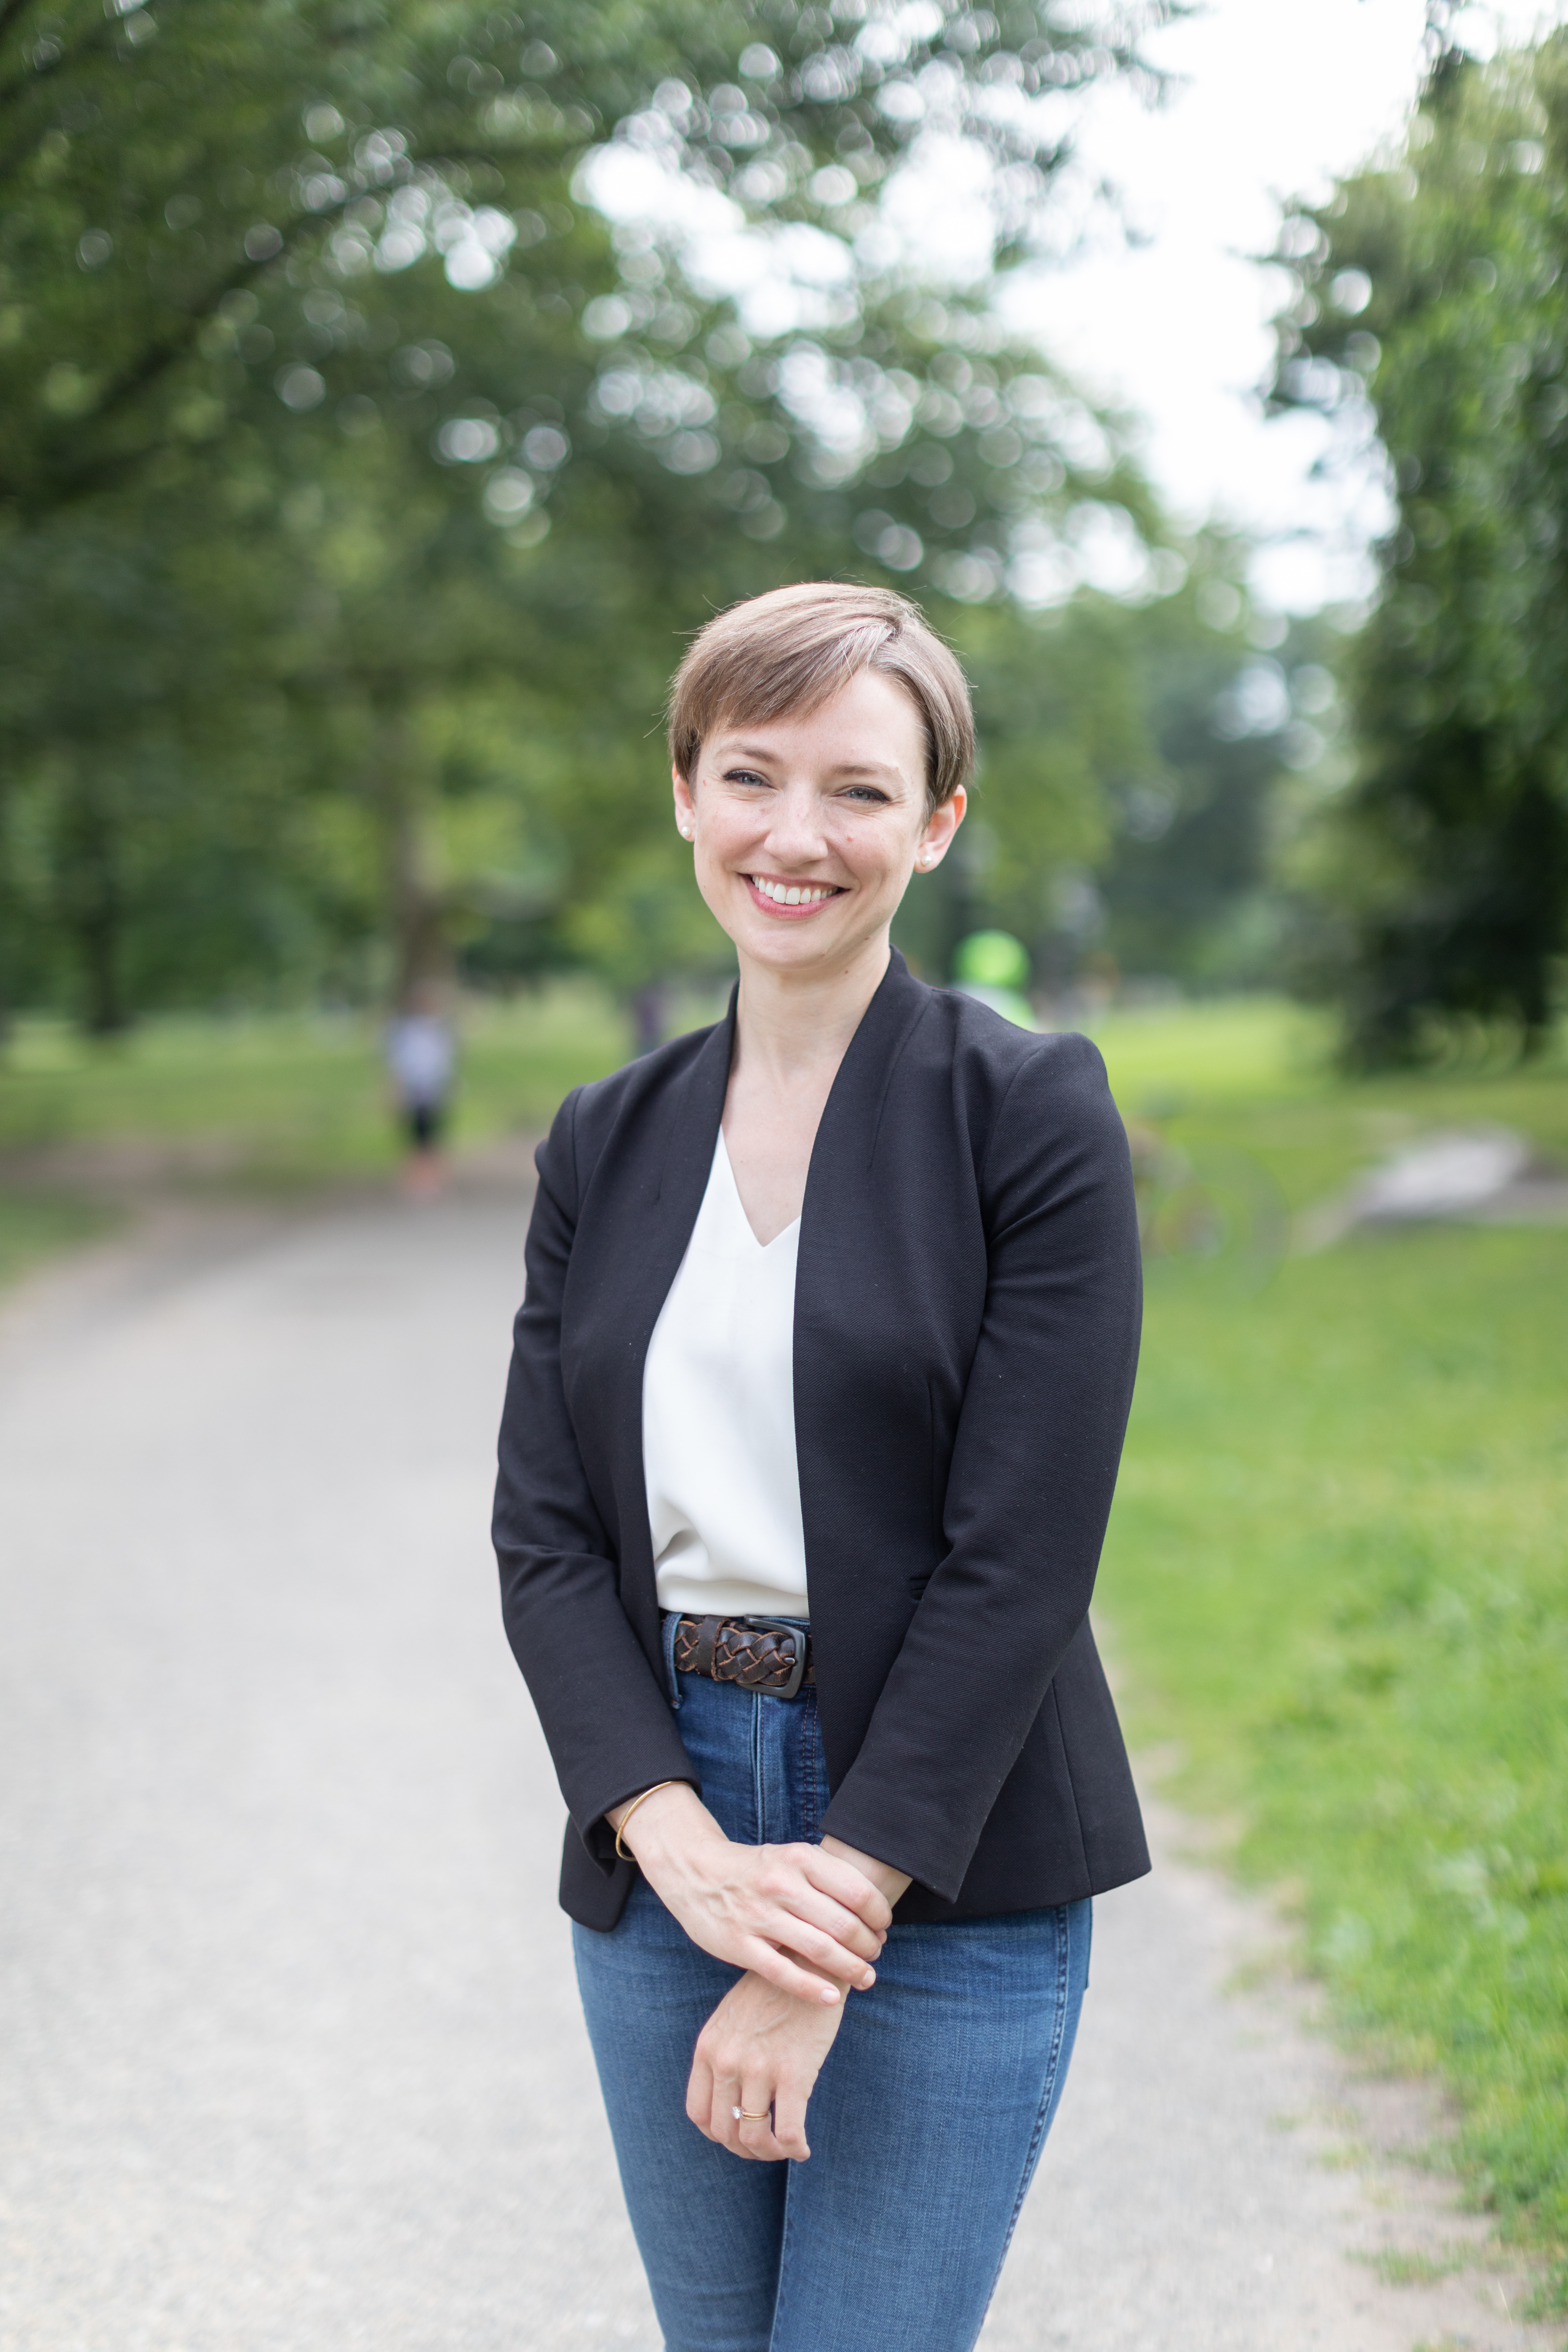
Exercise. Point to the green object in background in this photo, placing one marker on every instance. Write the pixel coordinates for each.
(991, 959)
(994, 967)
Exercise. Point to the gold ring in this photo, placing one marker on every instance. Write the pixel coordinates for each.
(745, 2115)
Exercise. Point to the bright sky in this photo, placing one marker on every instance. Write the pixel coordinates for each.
(1276, 96)
(1271, 99)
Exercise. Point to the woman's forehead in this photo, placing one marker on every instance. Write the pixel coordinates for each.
(870, 723)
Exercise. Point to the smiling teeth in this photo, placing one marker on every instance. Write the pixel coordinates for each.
(793, 894)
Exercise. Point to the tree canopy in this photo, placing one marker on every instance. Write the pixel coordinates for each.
(361, 475)
(1433, 312)
(162, 164)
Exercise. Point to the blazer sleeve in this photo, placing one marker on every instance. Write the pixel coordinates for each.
(1034, 1468)
(610, 1728)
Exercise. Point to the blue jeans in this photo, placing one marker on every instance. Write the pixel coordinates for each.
(927, 2120)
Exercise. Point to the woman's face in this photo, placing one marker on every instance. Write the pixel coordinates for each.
(807, 828)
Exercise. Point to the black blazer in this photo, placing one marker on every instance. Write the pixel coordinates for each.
(966, 1314)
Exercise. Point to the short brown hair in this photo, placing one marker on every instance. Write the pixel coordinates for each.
(794, 648)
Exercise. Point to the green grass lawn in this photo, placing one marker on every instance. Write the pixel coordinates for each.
(1336, 1571)
(1336, 1568)
(35, 1226)
(261, 1103)
(281, 1101)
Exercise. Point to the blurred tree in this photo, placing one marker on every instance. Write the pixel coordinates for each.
(1236, 703)
(1128, 799)
(128, 682)
(1432, 311)
(455, 466)
(159, 165)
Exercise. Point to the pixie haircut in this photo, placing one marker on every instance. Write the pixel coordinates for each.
(792, 650)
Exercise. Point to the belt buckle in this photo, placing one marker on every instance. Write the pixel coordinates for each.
(796, 1672)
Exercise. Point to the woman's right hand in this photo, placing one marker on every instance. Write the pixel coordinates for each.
(763, 1907)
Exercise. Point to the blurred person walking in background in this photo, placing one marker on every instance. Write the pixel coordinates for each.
(816, 1403)
(422, 1063)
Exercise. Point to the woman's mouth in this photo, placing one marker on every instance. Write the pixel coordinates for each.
(791, 897)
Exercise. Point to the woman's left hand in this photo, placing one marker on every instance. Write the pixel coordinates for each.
(761, 2051)
(762, 2048)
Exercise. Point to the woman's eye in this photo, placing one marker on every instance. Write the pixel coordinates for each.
(743, 776)
(867, 793)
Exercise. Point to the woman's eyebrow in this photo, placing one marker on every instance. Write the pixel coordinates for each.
(841, 767)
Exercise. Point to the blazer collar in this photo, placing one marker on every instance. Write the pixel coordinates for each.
(853, 1112)
(853, 1109)
(696, 1108)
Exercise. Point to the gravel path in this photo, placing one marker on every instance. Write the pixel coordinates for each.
(290, 2060)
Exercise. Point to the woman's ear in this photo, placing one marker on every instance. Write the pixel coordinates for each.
(685, 806)
(941, 825)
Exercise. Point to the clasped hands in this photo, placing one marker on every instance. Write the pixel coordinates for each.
(806, 1923)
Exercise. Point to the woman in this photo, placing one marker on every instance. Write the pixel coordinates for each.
(814, 1412)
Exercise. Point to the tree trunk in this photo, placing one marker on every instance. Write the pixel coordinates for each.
(417, 903)
(90, 895)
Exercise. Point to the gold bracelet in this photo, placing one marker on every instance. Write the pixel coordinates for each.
(631, 1809)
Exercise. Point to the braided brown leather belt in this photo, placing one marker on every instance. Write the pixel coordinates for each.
(750, 1650)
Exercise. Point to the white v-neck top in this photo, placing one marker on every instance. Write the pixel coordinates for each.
(718, 1416)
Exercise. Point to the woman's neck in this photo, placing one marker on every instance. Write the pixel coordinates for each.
(791, 1025)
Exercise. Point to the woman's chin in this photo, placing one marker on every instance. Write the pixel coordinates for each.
(786, 946)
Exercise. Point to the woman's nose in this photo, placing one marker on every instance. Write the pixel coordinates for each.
(797, 832)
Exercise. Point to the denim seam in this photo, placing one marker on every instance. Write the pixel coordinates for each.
(760, 1789)
(1058, 2029)
(808, 1743)
(786, 2237)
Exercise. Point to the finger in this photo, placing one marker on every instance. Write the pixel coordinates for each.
(847, 1928)
(826, 1918)
(789, 2122)
(848, 1885)
(709, 2097)
(794, 1875)
(785, 1930)
(794, 1917)
(724, 2125)
(822, 1888)
(768, 1962)
(754, 2120)
(735, 2132)
(699, 2094)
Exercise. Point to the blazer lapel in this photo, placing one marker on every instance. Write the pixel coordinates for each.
(650, 1261)
(696, 1106)
(853, 1112)
(839, 1259)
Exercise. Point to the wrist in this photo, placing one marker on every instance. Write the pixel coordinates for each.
(658, 1827)
(883, 1877)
